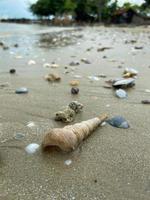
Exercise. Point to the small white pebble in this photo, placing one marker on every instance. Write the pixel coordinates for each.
(107, 106)
(32, 148)
(30, 124)
(46, 65)
(68, 162)
(31, 62)
(147, 90)
(103, 124)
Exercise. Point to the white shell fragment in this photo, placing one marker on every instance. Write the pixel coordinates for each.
(32, 148)
(68, 162)
(31, 62)
(131, 71)
(46, 65)
(93, 78)
(121, 94)
(30, 124)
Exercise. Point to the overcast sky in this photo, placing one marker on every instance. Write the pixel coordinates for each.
(19, 8)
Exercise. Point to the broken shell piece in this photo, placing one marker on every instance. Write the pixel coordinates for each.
(74, 83)
(124, 83)
(138, 47)
(68, 162)
(130, 72)
(86, 61)
(46, 65)
(31, 62)
(118, 122)
(32, 148)
(74, 63)
(76, 106)
(69, 137)
(103, 48)
(93, 78)
(67, 115)
(52, 77)
(54, 65)
(22, 90)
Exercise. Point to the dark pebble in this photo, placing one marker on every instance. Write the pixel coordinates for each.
(16, 45)
(74, 90)
(95, 181)
(145, 102)
(12, 71)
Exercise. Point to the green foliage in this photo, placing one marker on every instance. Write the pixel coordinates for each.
(109, 10)
(69, 6)
(84, 10)
(47, 7)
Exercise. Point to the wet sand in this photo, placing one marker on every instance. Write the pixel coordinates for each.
(112, 164)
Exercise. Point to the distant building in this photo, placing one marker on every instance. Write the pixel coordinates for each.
(128, 16)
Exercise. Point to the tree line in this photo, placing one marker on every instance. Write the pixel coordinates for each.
(81, 10)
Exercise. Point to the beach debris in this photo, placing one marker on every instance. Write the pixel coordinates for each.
(138, 47)
(16, 45)
(59, 39)
(46, 65)
(5, 47)
(107, 86)
(32, 148)
(108, 106)
(104, 57)
(74, 90)
(74, 82)
(31, 62)
(101, 76)
(77, 76)
(89, 49)
(69, 137)
(52, 77)
(68, 162)
(68, 114)
(145, 101)
(12, 71)
(54, 65)
(85, 60)
(147, 90)
(121, 94)
(18, 57)
(3, 85)
(130, 41)
(76, 106)
(103, 48)
(19, 136)
(130, 72)
(1, 44)
(22, 90)
(74, 63)
(123, 83)
(93, 78)
(118, 122)
(30, 124)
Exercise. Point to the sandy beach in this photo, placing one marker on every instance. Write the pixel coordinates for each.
(113, 163)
